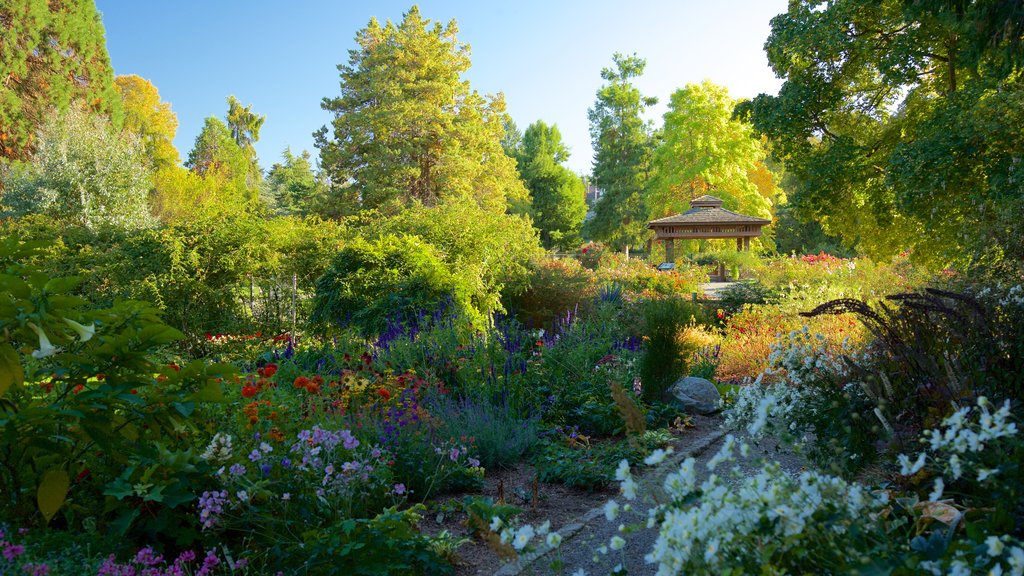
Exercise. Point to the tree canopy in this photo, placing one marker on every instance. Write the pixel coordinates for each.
(51, 54)
(902, 122)
(150, 118)
(703, 150)
(293, 183)
(556, 194)
(622, 142)
(409, 129)
(216, 154)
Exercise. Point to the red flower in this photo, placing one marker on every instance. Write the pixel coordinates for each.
(269, 370)
(248, 391)
(78, 388)
(301, 382)
(383, 393)
(82, 475)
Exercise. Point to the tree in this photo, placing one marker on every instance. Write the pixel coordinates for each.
(903, 122)
(150, 118)
(408, 129)
(705, 151)
(623, 148)
(216, 154)
(556, 194)
(245, 128)
(84, 171)
(51, 54)
(293, 183)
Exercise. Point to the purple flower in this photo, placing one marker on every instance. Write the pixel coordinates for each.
(209, 563)
(286, 463)
(237, 469)
(375, 453)
(211, 505)
(474, 463)
(36, 569)
(399, 489)
(350, 441)
(454, 454)
(12, 551)
(255, 455)
(266, 468)
(147, 557)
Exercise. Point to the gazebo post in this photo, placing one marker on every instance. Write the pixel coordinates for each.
(670, 250)
(739, 244)
(746, 243)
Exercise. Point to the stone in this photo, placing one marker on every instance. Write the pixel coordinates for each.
(695, 395)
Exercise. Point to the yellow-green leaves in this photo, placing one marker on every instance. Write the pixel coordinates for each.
(53, 491)
(11, 373)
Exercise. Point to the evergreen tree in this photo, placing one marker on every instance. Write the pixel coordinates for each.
(408, 129)
(216, 154)
(51, 53)
(623, 147)
(556, 194)
(293, 183)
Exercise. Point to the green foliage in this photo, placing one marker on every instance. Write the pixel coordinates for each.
(294, 186)
(556, 194)
(83, 172)
(428, 137)
(488, 253)
(704, 150)
(245, 130)
(665, 356)
(369, 282)
(51, 54)
(581, 466)
(217, 154)
(389, 544)
(881, 116)
(499, 435)
(83, 388)
(150, 118)
(623, 150)
(481, 510)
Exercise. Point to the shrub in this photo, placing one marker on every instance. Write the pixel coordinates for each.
(580, 465)
(390, 277)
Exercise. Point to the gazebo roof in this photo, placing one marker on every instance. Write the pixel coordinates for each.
(708, 210)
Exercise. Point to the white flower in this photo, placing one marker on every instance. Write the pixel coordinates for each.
(629, 489)
(984, 474)
(908, 469)
(1017, 560)
(622, 472)
(544, 528)
(85, 333)
(657, 457)
(995, 545)
(940, 486)
(496, 524)
(243, 495)
(522, 537)
(45, 348)
(616, 543)
(611, 510)
(580, 572)
(554, 539)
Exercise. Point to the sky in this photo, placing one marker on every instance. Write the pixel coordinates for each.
(545, 56)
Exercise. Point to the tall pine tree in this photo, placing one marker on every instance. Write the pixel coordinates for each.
(623, 146)
(408, 129)
(51, 54)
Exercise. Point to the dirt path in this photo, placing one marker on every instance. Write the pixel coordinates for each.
(592, 530)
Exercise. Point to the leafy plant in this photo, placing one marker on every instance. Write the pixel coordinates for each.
(665, 355)
(581, 466)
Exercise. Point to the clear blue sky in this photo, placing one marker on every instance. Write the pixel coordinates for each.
(546, 56)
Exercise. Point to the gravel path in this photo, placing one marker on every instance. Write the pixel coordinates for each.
(583, 538)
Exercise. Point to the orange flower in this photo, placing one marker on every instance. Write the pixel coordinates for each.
(301, 382)
(383, 393)
(318, 380)
(248, 391)
(78, 388)
(268, 370)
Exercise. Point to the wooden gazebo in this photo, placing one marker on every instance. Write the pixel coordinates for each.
(706, 219)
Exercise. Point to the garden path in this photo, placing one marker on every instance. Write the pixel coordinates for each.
(584, 537)
(713, 290)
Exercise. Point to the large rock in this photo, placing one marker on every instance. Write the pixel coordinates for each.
(695, 395)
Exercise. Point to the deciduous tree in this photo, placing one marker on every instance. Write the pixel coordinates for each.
(556, 194)
(903, 122)
(150, 118)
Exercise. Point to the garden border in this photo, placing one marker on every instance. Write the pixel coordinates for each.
(569, 530)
